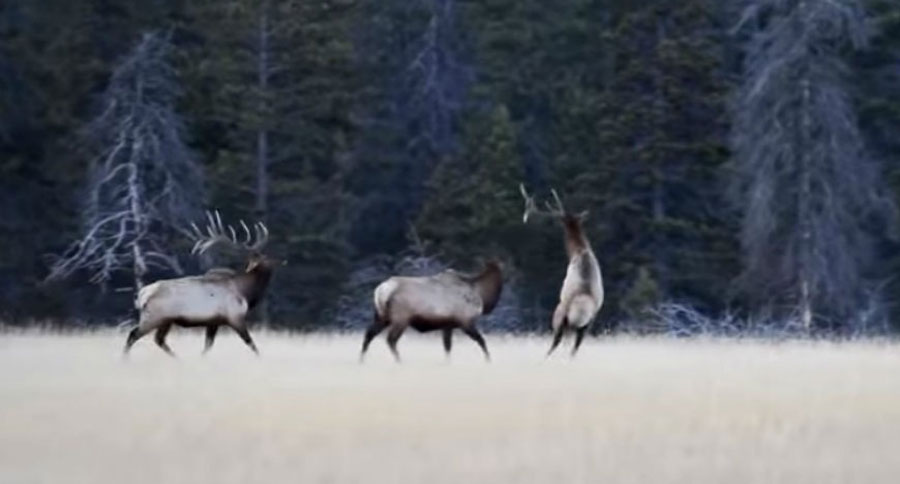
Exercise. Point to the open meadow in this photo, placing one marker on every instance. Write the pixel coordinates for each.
(653, 410)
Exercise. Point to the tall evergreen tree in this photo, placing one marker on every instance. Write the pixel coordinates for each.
(474, 207)
(276, 130)
(473, 211)
(410, 111)
(658, 140)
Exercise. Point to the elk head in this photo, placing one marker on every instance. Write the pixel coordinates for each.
(575, 238)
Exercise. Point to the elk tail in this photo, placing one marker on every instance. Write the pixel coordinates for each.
(144, 295)
(382, 296)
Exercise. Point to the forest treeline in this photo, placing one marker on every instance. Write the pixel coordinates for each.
(739, 159)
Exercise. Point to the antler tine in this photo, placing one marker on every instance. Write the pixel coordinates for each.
(198, 237)
(204, 241)
(523, 191)
(216, 232)
(210, 224)
(559, 205)
(530, 205)
(220, 227)
(247, 235)
(262, 236)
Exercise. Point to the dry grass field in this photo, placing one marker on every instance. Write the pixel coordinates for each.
(72, 410)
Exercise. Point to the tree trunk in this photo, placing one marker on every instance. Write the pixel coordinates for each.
(139, 264)
(139, 267)
(658, 190)
(803, 204)
(262, 134)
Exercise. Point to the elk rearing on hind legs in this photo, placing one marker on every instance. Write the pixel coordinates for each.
(219, 297)
(582, 291)
(445, 301)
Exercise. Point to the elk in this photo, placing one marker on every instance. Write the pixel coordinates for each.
(220, 297)
(582, 290)
(445, 301)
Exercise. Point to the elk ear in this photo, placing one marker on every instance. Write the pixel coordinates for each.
(252, 261)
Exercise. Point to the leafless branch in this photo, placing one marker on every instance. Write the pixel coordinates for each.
(145, 184)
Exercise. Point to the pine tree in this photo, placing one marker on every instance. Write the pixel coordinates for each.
(660, 138)
(474, 207)
(276, 131)
(417, 82)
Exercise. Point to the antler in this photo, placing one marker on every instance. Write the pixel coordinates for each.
(262, 236)
(559, 210)
(531, 207)
(219, 233)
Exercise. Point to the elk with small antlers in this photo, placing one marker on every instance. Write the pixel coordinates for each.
(219, 297)
(582, 290)
(445, 301)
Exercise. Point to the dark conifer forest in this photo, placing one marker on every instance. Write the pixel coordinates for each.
(739, 159)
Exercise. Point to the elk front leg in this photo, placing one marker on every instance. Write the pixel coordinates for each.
(211, 331)
(472, 332)
(241, 330)
(557, 337)
(448, 340)
(372, 331)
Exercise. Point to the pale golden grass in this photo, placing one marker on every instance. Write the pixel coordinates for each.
(625, 411)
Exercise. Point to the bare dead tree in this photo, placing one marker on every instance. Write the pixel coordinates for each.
(808, 191)
(144, 184)
(436, 78)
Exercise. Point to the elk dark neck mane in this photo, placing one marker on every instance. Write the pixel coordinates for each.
(576, 242)
(252, 284)
(490, 285)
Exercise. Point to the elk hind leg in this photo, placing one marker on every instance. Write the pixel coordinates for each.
(134, 335)
(372, 331)
(579, 335)
(160, 338)
(472, 332)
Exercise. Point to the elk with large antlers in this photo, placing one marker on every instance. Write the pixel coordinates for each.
(221, 297)
(445, 301)
(582, 290)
